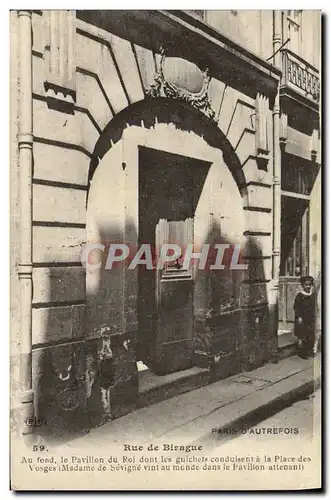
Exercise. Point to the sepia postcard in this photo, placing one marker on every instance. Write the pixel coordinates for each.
(165, 215)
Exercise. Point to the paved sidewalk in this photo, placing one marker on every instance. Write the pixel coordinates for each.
(195, 416)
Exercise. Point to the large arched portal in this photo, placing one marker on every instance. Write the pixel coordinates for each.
(163, 174)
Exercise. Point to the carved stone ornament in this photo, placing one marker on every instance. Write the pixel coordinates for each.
(187, 77)
(59, 57)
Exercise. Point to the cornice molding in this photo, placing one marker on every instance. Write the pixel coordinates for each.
(189, 38)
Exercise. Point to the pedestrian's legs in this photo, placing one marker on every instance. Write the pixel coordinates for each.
(311, 338)
(310, 347)
(304, 350)
(299, 345)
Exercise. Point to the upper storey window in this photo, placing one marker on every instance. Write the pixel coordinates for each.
(294, 30)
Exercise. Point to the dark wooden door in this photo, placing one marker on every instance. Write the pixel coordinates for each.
(165, 298)
(174, 300)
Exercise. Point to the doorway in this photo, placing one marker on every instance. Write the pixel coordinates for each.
(169, 189)
(297, 180)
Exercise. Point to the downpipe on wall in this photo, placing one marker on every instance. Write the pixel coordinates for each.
(276, 184)
(25, 141)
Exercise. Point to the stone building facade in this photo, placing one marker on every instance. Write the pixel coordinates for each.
(128, 126)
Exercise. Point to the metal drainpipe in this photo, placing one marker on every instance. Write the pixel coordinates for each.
(277, 41)
(25, 140)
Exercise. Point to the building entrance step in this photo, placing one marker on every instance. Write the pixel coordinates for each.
(287, 345)
(154, 388)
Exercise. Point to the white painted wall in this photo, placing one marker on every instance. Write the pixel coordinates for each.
(112, 213)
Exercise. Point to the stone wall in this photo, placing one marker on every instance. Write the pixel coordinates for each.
(112, 77)
(253, 30)
(250, 28)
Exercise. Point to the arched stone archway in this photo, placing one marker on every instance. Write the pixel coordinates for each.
(150, 111)
(172, 322)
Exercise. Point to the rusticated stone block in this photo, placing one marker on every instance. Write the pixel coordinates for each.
(59, 204)
(60, 164)
(60, 395)
(58, 244)
(52, 324)
(259, 195)
(58, 284)
(255, 332)
(224, 343)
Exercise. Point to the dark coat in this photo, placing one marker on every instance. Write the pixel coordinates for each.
(304, 307)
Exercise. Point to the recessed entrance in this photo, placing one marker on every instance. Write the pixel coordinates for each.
(169, 190)
(297, 181)
(147, 188)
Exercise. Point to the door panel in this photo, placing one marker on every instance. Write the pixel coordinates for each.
(288, 288)
(174, 333)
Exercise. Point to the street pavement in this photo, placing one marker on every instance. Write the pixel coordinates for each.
(216, 437)
(300, 446)
(196, 415)
(303, 415)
